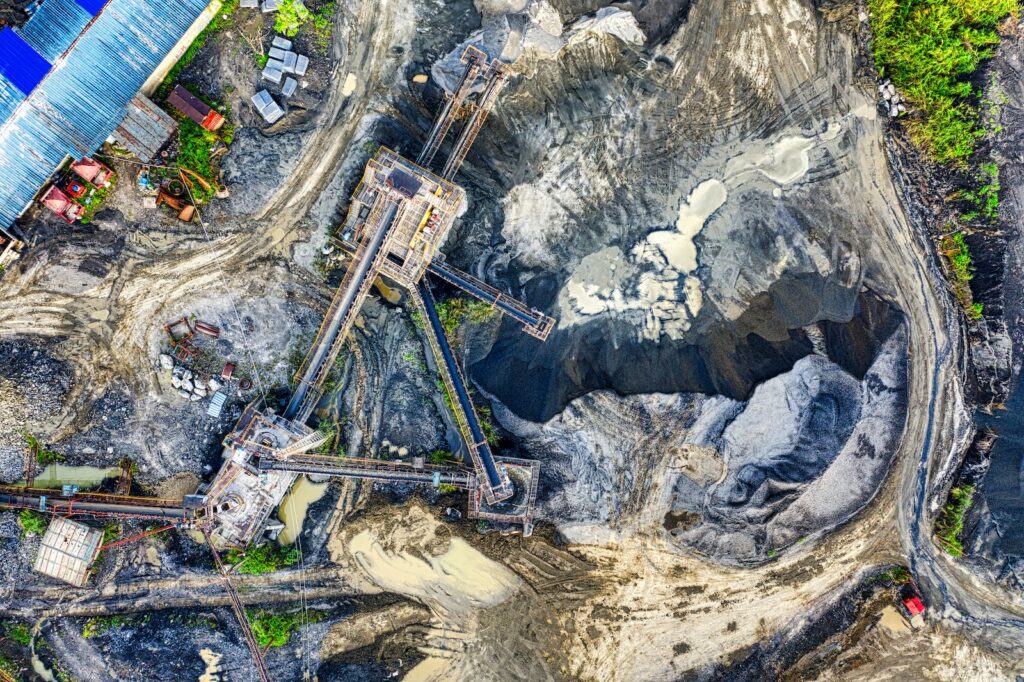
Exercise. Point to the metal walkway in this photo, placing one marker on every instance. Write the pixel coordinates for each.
(535, 323)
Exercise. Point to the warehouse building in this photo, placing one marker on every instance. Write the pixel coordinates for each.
(71, 76)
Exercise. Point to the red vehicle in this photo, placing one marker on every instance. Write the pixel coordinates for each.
(910, 597)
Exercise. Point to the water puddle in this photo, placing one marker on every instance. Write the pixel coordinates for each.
(295, 505)
(57, 475)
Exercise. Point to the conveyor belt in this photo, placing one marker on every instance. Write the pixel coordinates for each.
(339, 318)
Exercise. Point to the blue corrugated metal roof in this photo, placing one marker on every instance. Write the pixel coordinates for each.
(54, 26)
(10, 97)
(93, 7)
(20, 63)
(76, 107)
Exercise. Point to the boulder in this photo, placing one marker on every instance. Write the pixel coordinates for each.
(184, 394)
(176, 381)
(166, 361)
(214, 385)
(186, 385)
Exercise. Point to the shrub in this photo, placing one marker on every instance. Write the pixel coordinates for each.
(19, 632)
(263, 559)
(951, 525)
(275, 628)
(455, 311)
(929, 48)
(956, 252)
(32, 522)
(291, 15)
(441, 457)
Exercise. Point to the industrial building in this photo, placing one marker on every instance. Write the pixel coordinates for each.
(67, 78)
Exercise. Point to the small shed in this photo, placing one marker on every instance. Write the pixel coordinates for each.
(146, 128)
(68, 550)
(195, 108)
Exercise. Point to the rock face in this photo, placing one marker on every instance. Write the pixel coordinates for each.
(737, 481)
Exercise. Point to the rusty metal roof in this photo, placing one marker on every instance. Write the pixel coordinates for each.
(145, 129)
(95, 68)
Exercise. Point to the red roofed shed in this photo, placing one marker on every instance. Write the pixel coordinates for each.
(195, 108)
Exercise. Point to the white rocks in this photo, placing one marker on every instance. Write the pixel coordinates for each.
(195, 397)
(186, 384)
(199, 391)
(166, 361)
(214, 384)
(185, 394)
(893, 101)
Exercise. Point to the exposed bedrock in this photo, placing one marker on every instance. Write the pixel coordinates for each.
(809, 449)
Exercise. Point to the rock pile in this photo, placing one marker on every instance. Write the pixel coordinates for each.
(188, 386)
(894, 102)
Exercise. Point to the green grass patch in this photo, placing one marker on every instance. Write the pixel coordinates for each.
(456, 311)
(263, 559)
(929, 49)
(32, 522)
(223, 19)
(94, 200)
(195, 147)
(954, 249)
(332, 430)
(984, 199)
(951, 524)
(275, 628)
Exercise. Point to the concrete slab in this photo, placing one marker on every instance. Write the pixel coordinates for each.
(282, 42)
(289, 86)
(301, 64)
(270, 5)
(277, 53)
(290, 61)
(249, 3)
(272, 72)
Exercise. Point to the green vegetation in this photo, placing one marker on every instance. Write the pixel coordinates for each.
(19, 632)
(323, 22)
(98, 625)
(441, 457)
(417, 319)
(195, 148)
(290, 17)
(897, 575)
(261, 61)
(930, 48)
(32, 522)
(10, 667)
(94, 200)
(331, 429)
(446, 488)
(455, 311)
(275, 628)
(954, 248)
(263, 559)
(487, 424)
(43, 456)
(293, 17)
(985, 198)
(951, 525)
(222, 20)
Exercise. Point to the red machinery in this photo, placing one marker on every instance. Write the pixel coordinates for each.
(63, 205)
